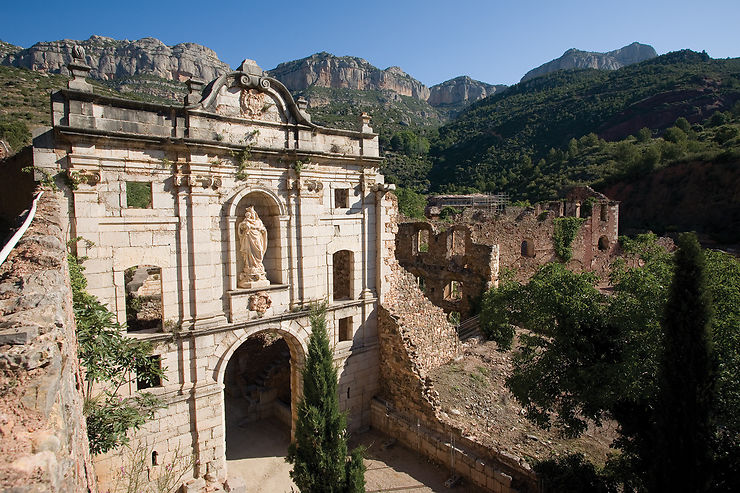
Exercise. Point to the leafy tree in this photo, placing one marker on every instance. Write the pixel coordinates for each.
(686, 377)
(411, 204)
(587, 356)
(319, 452)
(644, 135)
(683, 124)
(111, 360)
(675, 135)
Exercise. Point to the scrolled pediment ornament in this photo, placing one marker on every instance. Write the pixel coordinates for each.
(247, 81)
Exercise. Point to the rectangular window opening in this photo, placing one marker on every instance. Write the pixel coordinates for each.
(345, 329)
(139, 194)
(422, 241)
(341, 198)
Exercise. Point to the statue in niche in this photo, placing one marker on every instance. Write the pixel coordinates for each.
(252, 245)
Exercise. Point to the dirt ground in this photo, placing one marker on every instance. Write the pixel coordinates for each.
(256, 453)
(474, 396)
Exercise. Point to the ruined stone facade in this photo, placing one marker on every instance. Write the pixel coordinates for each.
(158, 192)
(455, 263)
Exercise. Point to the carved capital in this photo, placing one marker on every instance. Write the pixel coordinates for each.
(85, 177)
(314, 185)
(195, 181)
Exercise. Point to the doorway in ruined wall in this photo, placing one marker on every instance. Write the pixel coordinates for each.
(269, 213)
(260, 396)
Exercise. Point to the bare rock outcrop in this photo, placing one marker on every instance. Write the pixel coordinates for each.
(612, 60)
(327, 70)
(461, 90)
(111, 58)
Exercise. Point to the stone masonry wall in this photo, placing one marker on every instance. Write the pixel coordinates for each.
(415, 337)
(43, 437)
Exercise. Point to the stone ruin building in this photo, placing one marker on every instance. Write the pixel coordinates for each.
(455, 263)
(210, 228)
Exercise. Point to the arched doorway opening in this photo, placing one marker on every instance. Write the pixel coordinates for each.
(261, 388)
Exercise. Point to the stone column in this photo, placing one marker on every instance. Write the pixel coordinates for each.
(204, 259)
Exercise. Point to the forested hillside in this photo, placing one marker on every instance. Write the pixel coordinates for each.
(499, 143)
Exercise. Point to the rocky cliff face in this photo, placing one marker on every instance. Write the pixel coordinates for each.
(461, 89)
(326, 70)
(110, 58)
(612, 60)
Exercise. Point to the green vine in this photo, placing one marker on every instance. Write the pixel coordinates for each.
(242, 156)
(564, 232)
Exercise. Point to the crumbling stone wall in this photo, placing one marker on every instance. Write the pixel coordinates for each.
(518, 239)
(43, 437)
(415, 337)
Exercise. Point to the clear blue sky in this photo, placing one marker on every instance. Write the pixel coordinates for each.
(493, 41)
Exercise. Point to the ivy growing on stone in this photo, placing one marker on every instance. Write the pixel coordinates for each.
(111, 361)
(564, 232)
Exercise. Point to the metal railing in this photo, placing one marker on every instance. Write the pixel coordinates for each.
(19, 234)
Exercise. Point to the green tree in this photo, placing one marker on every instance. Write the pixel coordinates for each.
(411, 204)
(112, 361)
(319, 452)
(686, 378)
(644, 135)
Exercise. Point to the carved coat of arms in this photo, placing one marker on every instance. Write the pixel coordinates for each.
(253, 103)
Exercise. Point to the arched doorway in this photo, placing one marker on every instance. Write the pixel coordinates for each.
(261, 387)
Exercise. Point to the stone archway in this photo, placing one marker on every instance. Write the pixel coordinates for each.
(261, 377)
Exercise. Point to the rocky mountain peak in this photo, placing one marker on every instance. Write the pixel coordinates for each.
(111, 58)
(327, 70)
(461, 91)
(577, 59)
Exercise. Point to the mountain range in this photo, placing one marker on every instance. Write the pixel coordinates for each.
(125, 64)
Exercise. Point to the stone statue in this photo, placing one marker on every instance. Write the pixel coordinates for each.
(252, 245)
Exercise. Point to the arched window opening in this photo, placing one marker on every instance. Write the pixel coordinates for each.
(342, 275)
(143, 298)
(603, 243)
(527, 248)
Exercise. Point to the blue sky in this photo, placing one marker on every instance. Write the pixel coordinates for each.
(433, 40)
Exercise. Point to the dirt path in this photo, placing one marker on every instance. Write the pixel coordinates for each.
(256, 453)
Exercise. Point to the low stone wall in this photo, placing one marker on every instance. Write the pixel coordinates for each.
(445, 445)
(43, 438)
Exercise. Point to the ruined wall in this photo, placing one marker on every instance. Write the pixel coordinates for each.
(481, 245)
(43, 438)
(415, 337)
(450, 255)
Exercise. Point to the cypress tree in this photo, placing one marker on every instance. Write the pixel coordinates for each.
(319, 452)
(683, 411)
